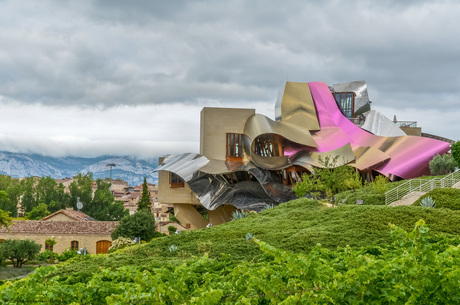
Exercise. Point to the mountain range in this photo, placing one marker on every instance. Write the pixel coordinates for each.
(127, 168)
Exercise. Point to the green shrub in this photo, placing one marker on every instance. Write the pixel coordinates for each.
(19, 251)
(120, 243)
(38, 212)
(412, 269)
(172, 230)
(428, 202)
(369, 195)
(328, 181)
(239, 214)
(47, 256)
(448, 198)
(380, 184)
(67, 254)
(140, 224)
(456, 152)
(442, 165)
(172, 248)
(50, 242)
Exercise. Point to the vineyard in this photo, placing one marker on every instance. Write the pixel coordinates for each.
(297, 253)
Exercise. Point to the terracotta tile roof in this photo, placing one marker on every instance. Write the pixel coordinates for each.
(76, 215)
(61, 227)
(119, 181)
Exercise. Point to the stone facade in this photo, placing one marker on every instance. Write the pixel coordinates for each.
(68, 228)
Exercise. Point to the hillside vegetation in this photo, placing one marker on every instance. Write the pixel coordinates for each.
(248, 256)
(448, 198)
(297, 226)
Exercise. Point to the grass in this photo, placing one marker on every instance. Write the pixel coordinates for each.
(8, 272)
(297, 225)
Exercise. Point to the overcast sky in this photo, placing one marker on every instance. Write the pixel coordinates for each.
(87, 78)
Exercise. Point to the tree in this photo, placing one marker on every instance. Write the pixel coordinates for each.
(28, 200)
(172, 230)
(6, 204)
(52, 194)
(144, 202)
(101, 206)
(50, 242)
(140, 224)
(81, 188)
(38, 212)
(5, 219)
(442, 165)
(19, 251)
(329, 180)
(45, 190)
(456, 152)
(12, 187)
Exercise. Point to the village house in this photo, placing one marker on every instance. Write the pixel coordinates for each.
(70, 229)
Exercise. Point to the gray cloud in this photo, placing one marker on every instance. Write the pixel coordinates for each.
(107, 54)
(118, 52)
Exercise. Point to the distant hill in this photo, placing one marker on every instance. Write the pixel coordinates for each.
(129, 169)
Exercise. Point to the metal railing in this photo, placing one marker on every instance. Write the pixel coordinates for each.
(432, 136)
(357, 121)
(421, 185)
(406, 123)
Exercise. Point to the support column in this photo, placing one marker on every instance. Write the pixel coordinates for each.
(221, 215)
(187, 214)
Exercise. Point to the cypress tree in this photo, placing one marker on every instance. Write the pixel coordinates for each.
(144, 202)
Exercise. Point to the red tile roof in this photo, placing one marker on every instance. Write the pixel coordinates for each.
(134, 195)
(76, 215)
(60, 227)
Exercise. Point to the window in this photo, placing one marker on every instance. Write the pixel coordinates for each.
(269, 145)
(48, 247)
(74, 245)
(346, 103)
(234, 151)
(175, 181)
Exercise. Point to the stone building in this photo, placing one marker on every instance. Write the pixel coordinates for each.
(70, 229)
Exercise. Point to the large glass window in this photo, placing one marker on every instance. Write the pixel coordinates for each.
(234, 145)
(346, 103)
(269, 145)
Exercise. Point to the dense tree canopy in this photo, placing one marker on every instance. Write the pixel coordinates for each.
(12, 187)
(456, 152)
(38, 212)
(19, 251)
(5, 219)
(101, 206)
(6, 204)
(442, 165)
(140, 224)
(329, 180)
(41, 196)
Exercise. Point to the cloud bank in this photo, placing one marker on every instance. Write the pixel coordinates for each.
(87, 77)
